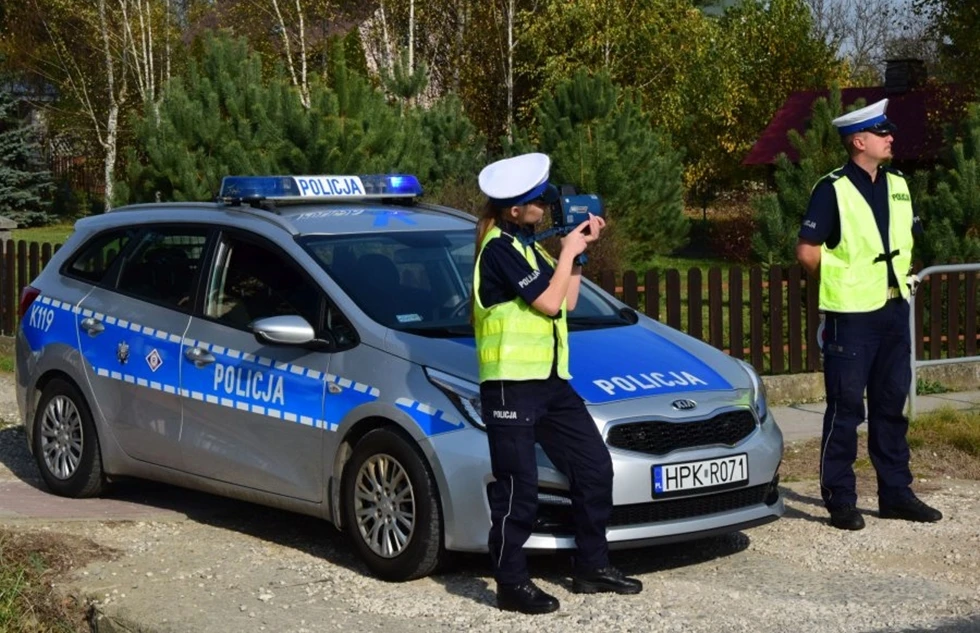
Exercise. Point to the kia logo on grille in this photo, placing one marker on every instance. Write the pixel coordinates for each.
(684, 405)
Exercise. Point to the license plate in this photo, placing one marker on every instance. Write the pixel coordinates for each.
(702, 476)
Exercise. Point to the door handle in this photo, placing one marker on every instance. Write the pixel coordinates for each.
(93, 326)
(198, 356)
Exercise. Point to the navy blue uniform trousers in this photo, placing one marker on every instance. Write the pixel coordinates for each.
(551, 413)
(866, 350)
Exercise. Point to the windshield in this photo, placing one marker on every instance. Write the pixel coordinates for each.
(420, 281)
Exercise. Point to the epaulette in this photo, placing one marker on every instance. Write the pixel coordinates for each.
(892, 170)
(834, 175)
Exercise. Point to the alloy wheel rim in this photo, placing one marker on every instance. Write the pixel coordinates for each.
(384, 505)
(62, 439)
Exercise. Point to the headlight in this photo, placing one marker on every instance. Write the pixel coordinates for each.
(759, 402)
(463, 393)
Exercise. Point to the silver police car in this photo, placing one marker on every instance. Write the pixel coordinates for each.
(305, 343)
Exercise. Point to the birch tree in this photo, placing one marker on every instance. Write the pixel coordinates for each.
(300, 77)
(92, 54)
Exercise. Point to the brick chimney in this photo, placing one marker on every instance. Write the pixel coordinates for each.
(903, 75)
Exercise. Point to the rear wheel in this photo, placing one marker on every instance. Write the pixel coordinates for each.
(391, 507)
(65, 444)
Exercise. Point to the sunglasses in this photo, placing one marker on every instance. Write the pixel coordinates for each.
(881, 133)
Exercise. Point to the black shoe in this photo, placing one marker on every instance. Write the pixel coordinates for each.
(525, 598)
(911, 509)
(607, 579)
(846, 518)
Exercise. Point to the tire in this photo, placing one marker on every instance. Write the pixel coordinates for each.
(66, 446)
(396, 527)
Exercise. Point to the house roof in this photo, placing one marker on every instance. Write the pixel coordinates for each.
(920, 115)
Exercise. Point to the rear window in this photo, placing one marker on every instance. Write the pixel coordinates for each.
(96, 258)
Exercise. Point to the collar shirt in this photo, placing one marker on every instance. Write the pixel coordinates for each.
(821, 225)
(505, 274)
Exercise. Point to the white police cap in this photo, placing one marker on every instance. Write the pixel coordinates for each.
(518, 180)
(869, 118)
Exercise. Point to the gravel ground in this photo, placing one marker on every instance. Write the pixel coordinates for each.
(228, 566)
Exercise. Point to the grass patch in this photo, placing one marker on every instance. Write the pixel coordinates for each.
(54, 234)
(928, 387)
(6, 364)
(944, 443)
(29, 564)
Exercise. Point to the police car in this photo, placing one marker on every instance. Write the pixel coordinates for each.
(304, 342)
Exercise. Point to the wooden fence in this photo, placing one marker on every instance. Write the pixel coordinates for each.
(767, 319)
(771, 319)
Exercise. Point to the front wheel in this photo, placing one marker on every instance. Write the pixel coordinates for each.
(391, 507)
(65, 444)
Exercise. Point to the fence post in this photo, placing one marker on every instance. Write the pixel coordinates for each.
(629, 289)
(776, 319)
(10, 298)
(935, 316)
(970, 312)
(674, 299)
(755, 318)
(952, 315)
(812, 323)
(715, 301)
(695, 326)
(651, 296)
(735, 324)
(794, 314)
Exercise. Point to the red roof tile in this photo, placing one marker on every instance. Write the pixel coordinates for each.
(920, 115)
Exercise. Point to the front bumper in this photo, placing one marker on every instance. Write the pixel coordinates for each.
(463, 471)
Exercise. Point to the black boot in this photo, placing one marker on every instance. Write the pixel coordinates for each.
(525, 598)
(607, 579)
(846, 518)
(911, 509)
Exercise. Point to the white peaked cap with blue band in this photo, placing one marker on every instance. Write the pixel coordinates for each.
(869, 118)
(518, 180)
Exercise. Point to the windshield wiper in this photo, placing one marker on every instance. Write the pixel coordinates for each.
(439, 331)
(626, 316)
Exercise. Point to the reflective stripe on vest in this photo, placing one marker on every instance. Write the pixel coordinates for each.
(851, 280)
(513, 340)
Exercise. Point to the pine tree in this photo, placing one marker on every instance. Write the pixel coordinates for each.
(601, 142)
(780, 214)
(25, 184)
(403, 82)
(222, 117)
(225, 115)
(950, 208)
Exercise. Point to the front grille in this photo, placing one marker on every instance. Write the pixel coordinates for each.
(660, 438)
(557, 519)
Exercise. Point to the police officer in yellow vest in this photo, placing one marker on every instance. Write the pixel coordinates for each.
(857, 237)
(521, 297)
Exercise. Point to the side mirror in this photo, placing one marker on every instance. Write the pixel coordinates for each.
(283, 330)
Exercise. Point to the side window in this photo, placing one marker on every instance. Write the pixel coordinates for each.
(253, 282)
(163, 266)
(93, 261)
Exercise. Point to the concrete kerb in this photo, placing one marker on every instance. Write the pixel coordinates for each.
(805, 388)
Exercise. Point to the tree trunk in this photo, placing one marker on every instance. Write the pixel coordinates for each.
(112, 123)
(510, 72)
(411, 36)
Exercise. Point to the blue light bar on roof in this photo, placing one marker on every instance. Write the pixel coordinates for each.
(298, 188)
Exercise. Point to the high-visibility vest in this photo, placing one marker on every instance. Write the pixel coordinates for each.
(513, 340)
(854, 274)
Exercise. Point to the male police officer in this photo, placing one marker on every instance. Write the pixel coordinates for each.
(857, 237)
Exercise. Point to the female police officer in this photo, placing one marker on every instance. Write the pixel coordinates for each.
(520, 302)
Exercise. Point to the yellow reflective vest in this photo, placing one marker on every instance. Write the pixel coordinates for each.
(513, 340)
(854, 274)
